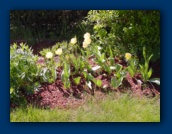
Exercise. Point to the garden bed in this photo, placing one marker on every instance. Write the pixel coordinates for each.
(55, 95)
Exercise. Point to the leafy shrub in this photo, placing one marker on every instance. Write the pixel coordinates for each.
(24, 74)
(127, 31)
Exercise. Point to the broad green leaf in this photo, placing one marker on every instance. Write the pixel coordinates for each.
(118, 71)
(107, 68)
(120, 81)
(102, 57)
(66, 83)
(97, 82)
(77, 80)
(85, 75)
(90, 77)
(141, 68)
(150, 57)
(149, 73)
(131, 71)
(55, 74)
(118, 67)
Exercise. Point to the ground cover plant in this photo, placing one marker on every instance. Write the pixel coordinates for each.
(63, 75)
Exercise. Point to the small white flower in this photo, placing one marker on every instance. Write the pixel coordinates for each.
(87, 35)
(49, 55)
(58, 51)
(73, 40)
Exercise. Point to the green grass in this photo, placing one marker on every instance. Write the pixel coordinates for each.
(110, 109)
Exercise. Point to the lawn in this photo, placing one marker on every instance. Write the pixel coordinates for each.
(112, 108)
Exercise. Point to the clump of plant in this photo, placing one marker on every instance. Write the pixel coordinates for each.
(53, 58)
(24, 73)
(145, 71)
(67, 58)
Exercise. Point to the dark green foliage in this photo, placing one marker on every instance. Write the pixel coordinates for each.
(127, 30)
(59, 24)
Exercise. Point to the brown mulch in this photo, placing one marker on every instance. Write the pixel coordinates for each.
(54, 95)
(51, 96)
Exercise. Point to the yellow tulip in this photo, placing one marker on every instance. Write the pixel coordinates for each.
(127, 56)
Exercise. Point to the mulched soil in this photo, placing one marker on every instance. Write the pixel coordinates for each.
(54, 95)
